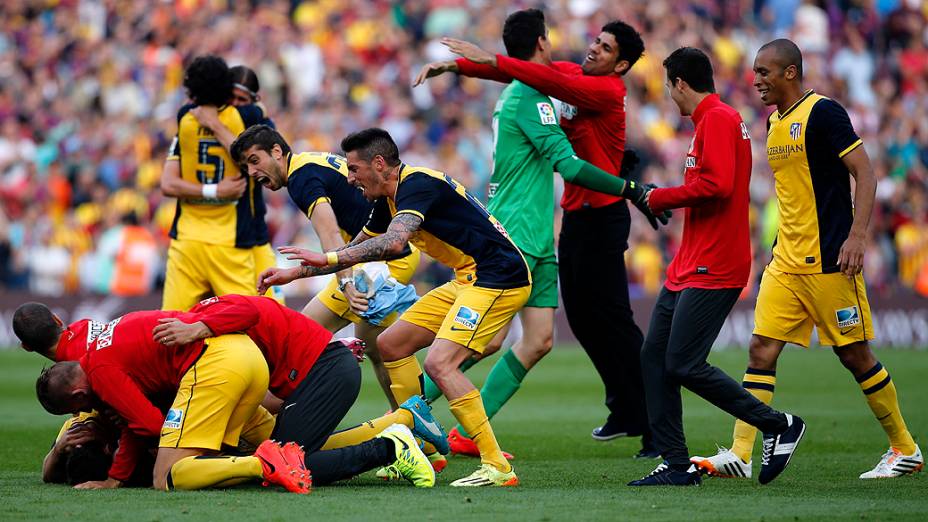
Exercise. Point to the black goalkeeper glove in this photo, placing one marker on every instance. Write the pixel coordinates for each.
(637, 194)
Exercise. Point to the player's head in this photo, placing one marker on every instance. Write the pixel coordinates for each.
(208, 81)
(778, 71)
(372, 155)
(261, 152)
(37, 328)
(689, 77)
(614, 51)
(525, 35)
(63, 388)
(86, 462)
(245, 86)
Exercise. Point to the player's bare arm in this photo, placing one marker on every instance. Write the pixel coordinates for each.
(431, 70)
(851, 255)
(172, 185)
(277, 276)
(470, 51)
(174, 332)
(326, 226)
(208, 116)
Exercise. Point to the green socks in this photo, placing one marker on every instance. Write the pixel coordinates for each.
(430, 390)
(501, 384)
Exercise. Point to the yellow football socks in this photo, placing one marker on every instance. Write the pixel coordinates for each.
(760, 383)
(468, 410)
(405, 376)
(213, 472)
(880, 392)
(367, 430)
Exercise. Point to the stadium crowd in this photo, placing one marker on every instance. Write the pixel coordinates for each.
(89, 91)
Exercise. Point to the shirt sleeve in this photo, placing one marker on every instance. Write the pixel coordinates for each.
(127, 455)
(479, 70)
(833, 128)
(416, 195)
(225, 315)
(538, 120)
(716, 168)
(307, 188)
(117, 389)
(379, 219)
(588, 92)
(174, 149)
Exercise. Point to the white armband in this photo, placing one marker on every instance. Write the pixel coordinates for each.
(210, 191)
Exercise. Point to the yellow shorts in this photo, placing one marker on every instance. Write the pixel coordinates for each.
(466, 314)
(264, 259)
(788, 305)
(401, 269)
(217, 396)
(197, 270)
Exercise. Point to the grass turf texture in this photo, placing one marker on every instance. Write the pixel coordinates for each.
(565, 474)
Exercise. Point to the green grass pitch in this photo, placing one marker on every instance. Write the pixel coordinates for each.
(565, 474)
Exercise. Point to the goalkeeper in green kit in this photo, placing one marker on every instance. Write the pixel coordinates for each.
(529, 146)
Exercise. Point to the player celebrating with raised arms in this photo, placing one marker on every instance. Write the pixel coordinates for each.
(492, 281)
(815, 276)
(704, 281)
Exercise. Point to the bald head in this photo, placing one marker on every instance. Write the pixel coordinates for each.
(785, 53)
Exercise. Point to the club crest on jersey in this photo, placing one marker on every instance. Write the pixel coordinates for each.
(174, 419)
(847, 317)
(795, 131)
(547, 114)
(467, 318)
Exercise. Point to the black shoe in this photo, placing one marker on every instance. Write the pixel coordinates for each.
(648, 453)
(779, 448)
(609, 431)
(664, 475)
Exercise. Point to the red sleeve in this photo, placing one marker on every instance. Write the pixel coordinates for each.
(587, 92)
(114, 387)
(127, 455)
(226, 314)
(716, 176)
(479, 70)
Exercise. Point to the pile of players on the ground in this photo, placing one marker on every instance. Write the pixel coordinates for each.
(239, 388)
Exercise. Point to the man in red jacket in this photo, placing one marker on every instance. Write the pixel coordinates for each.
(704, 281)
(595, 228)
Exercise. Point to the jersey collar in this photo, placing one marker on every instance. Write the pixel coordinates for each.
(707, 103)
(792, 107)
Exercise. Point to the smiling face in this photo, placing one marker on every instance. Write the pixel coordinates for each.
(770, 77)
(267, 168)
(602, 56)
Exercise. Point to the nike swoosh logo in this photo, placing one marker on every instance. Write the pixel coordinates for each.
(287, 407)
(429, 425)
(453, 329)
(335, 296)
(847, 330)
(403, 442)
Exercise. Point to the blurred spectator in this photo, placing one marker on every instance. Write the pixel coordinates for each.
(89, 91)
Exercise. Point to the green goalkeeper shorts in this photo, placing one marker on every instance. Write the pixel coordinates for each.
(544, 281)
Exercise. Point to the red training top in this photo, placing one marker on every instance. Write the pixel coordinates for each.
(715, 251)
(594, 119)
(290, 341)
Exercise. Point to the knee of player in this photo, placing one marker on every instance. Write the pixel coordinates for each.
(542, 346)
(761, 356)
(387, 346)
(677, 370)
(856, 357)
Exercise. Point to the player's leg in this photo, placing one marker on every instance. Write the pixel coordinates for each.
(185, 283)
(230, 270)
(369, 333)
(264, 258)
(431, 391)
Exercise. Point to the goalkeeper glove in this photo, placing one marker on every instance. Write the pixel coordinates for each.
(637, 194)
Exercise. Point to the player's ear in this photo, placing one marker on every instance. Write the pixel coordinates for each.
(621, 67)
(790, 72)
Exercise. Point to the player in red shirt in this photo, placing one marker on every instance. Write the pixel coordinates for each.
(217, 385)
(595, 228)
(704, 281)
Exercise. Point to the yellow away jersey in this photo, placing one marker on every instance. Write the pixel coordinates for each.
(238, 222)
(805, 145)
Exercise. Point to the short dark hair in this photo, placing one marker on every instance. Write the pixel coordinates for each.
(53, 387)
(521, 32)
(787, 53)
(692, 66)
(246, 77)
(263, 136)
(372, 142)
(631, 46)
(36, 327)
(86, 462)
(208, 81)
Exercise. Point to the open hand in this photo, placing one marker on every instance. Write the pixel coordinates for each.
(304, 256)
(470, 51)
(276, 276)
(431, 70)
(174, 332)
(109, 483)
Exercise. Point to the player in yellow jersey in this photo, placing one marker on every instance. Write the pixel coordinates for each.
(456, 320)
(815, 276)
(219, 218)
(318, 184)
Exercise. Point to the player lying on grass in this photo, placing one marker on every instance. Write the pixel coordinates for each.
(455, 320)
(318, 184)
(218, 394)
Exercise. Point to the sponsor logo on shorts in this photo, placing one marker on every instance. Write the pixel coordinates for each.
(847, 317)
(467, 318)
(174, 419)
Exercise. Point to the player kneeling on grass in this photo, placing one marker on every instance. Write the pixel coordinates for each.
(704, 281)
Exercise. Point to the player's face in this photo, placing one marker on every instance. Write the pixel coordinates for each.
(677, 96)
(768, 77)
(264, 167)
(362, 175)
(240, 97)
(602, 56)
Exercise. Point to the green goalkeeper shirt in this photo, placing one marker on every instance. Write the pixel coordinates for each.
(528, 143)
